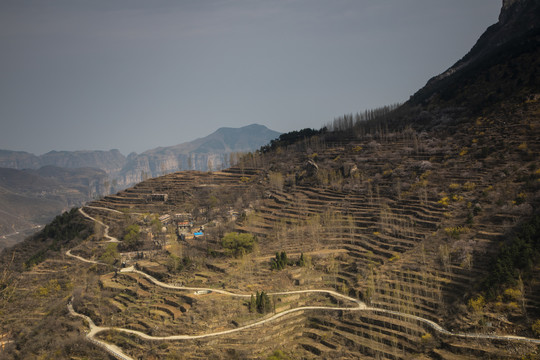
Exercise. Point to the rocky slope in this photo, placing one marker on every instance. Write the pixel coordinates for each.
(503, 62)
(55, 181)
(212, 152)
(427, 213)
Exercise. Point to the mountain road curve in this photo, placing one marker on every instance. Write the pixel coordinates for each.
(358, 306)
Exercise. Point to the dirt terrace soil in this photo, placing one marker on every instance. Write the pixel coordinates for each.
(387, 219)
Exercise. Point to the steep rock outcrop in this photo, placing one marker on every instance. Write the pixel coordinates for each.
(18, 160)
(111, 161)
(208, 153)
(516, 36)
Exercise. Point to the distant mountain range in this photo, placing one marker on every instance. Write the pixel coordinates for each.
(33, 189)
(424, 222)
(207, 153)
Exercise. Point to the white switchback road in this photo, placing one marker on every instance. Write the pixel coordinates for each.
(357, 305)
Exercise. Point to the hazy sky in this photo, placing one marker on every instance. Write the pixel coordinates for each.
(134, 74)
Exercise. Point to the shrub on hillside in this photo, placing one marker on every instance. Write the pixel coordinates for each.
(111, 254)
(237, 244)
(132, 237)
(278, 355)
(477, 304)
(536, 328)
(516, 258)
(177, 263)
(59, 233)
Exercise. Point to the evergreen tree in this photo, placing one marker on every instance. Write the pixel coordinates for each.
(265, 305)
(260, 303)
(280, 261)
(302, 261)
(284, 259)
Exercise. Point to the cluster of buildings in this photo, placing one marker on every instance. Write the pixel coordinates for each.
(184, 225)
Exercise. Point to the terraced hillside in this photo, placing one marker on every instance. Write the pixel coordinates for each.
(409, 233)
(403, 221)
(408, 223)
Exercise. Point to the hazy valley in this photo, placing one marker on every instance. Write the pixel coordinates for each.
(36, 188)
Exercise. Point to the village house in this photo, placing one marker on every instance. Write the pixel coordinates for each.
(158, 197)
(165, 219)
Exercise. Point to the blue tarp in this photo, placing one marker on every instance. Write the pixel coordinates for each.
(198, 233)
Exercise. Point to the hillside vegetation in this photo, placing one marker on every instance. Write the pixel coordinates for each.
(414, 222)
(408, 232)
(29, 199)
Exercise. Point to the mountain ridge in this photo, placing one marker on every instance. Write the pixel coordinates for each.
(58, 180)
(511, 42)
(423, 225)
(124, 170)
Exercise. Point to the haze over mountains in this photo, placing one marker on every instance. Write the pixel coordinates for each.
(210, 152)
(31, 198)
(409, 233)
(33, 189)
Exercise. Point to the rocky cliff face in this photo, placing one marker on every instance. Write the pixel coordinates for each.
(111, 161)
(35, 188)
(207, 153)
(18, 160)
(512, 41)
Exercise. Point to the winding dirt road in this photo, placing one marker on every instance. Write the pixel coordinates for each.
(94, 329)
(358, 306)
(106, 227)
(68, 253)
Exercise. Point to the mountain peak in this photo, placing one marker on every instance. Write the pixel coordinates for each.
(251, 127)
(245, 138)
(515, 36)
